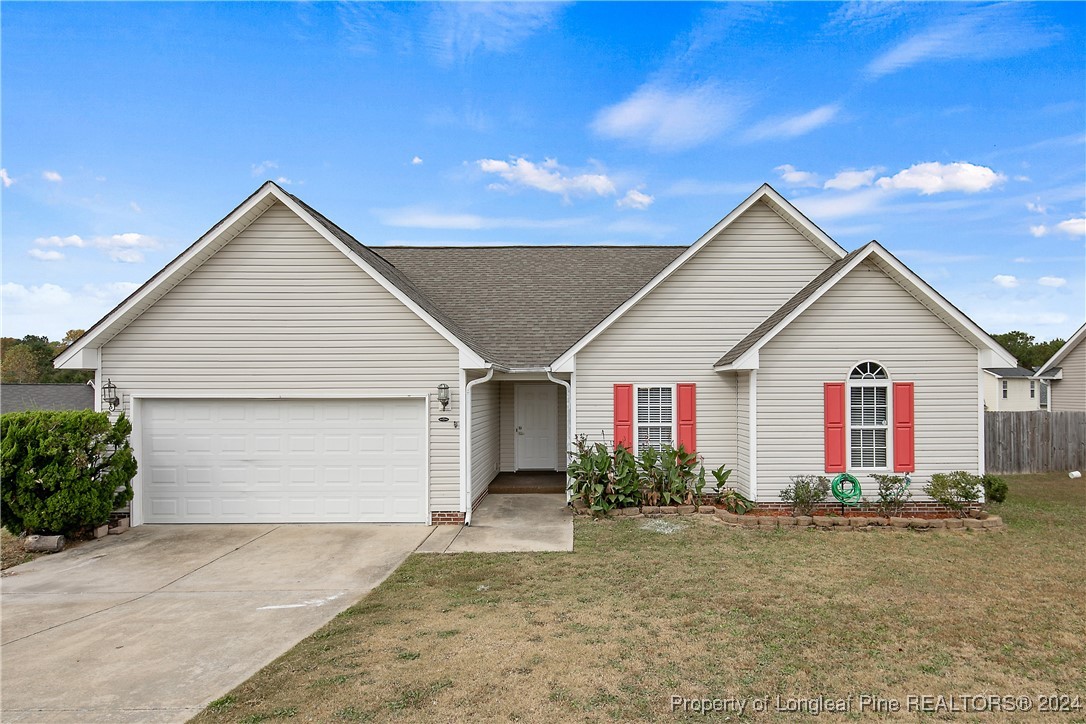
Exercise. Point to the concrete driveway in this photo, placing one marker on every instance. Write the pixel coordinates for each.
(152, 625)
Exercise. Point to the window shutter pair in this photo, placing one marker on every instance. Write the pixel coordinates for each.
(834, 418)
(685, 416)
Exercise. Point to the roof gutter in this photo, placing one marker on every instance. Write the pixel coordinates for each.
(468, 424)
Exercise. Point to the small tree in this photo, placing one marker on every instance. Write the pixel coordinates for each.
(63, 470)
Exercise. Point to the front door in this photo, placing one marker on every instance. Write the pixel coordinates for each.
(536, 426)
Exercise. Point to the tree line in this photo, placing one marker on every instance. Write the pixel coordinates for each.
(1030, 352)
(30, 359)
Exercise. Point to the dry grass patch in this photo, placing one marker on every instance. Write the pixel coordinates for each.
(636, 615)
(12, 552)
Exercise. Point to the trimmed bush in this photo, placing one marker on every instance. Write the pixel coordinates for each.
(893, 494)
(956, 490)
(63, 470)
(995, 488)
(805, 492)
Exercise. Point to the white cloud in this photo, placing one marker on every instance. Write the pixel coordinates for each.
(996, 31)
(794, 126)
(835, 206)
(1036, 207)
(110, 291)
(934, 177)
(670, 119)
(851, 180)
(135, 207)
(457, 31)
(547, 177)
(119, 247)
(634, 199)
(44, 295)
(260, 169)
(1021, 260)
(1007, 281)
(43, 255)
(694, 187)
(7, 180)
(1039, 230)
(794, 177)
(52, 176)
(283, 181)
(1052, 281)
(1073, 227)
(416, 161)
(422, 218)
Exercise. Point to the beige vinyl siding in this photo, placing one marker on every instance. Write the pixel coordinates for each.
(280, 311)
(484, 436)
(1069, 393)
(740, 478)
(682, 327)
(507, 433)
(1018, 398)
(866, 316)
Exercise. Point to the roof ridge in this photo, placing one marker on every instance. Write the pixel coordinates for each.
(529, 246)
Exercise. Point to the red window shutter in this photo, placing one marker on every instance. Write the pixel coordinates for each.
(834, 422)
(624, 416)
(904, 426)
(686, 414)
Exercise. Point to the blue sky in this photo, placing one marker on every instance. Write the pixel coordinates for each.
(953, 133)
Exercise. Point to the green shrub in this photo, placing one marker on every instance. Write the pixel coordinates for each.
(63, 470)
(602, 480)
(893, 494)
(805, 492)
(730, 498)
(956, 490)
(995, 488)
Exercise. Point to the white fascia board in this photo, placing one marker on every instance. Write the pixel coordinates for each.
(1063, 351)
(469, 360)
(468, 355)
(93, 337)
(832, 249)
(568, 365)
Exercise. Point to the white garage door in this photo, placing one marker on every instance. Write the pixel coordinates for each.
(283, 461)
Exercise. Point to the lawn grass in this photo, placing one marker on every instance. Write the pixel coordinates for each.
(633, 617)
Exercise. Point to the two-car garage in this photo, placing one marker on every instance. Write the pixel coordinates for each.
(282, 460)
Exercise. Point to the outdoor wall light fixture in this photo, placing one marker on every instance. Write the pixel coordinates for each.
(109, 395)
(443, 396)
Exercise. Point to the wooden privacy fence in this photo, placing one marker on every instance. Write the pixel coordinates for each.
(1034, 441)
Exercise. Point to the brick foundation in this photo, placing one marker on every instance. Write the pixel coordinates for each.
(911, 508)
(446, 517)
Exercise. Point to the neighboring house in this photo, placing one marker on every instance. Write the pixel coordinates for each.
(1065, 372)
(46, 396)
(279, 370)
(1013, 389)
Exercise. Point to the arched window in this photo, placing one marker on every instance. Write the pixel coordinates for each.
(868, 416)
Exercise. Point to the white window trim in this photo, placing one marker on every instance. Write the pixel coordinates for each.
(888, 384)
(1033, 389)
(1004, 388)
(674, 414)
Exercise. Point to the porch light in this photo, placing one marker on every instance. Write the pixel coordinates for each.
(109, 395)
(443, 396)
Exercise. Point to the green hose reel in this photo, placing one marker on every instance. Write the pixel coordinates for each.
(846, 488)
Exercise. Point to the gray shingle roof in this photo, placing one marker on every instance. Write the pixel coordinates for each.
(1009, 371)
(1050, 372)
(526, 305)
(787, 308)
(49, 396)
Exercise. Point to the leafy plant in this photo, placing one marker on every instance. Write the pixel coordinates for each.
(63, 470)
(995, 488)
(805, 492)
(667, 476)
(730, 498)
(956, 490)
(893, 494)
(604, 482)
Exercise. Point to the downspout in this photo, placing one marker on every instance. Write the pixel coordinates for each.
(569, 423)
(467, 423)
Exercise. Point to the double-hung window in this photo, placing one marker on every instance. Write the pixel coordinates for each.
(1032, 389)
(1004, 389)
(654, 420)
(868, 416)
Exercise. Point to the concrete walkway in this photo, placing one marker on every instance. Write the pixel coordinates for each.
(152, 625)
(509, 523)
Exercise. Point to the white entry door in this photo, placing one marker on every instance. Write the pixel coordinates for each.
(283, 461)
(536, 426)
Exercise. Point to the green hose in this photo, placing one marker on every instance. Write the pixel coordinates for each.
(849, 494)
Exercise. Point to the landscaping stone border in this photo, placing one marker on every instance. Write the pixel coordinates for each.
(979, 520)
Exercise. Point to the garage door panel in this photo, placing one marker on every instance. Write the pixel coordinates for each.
(283, 460)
